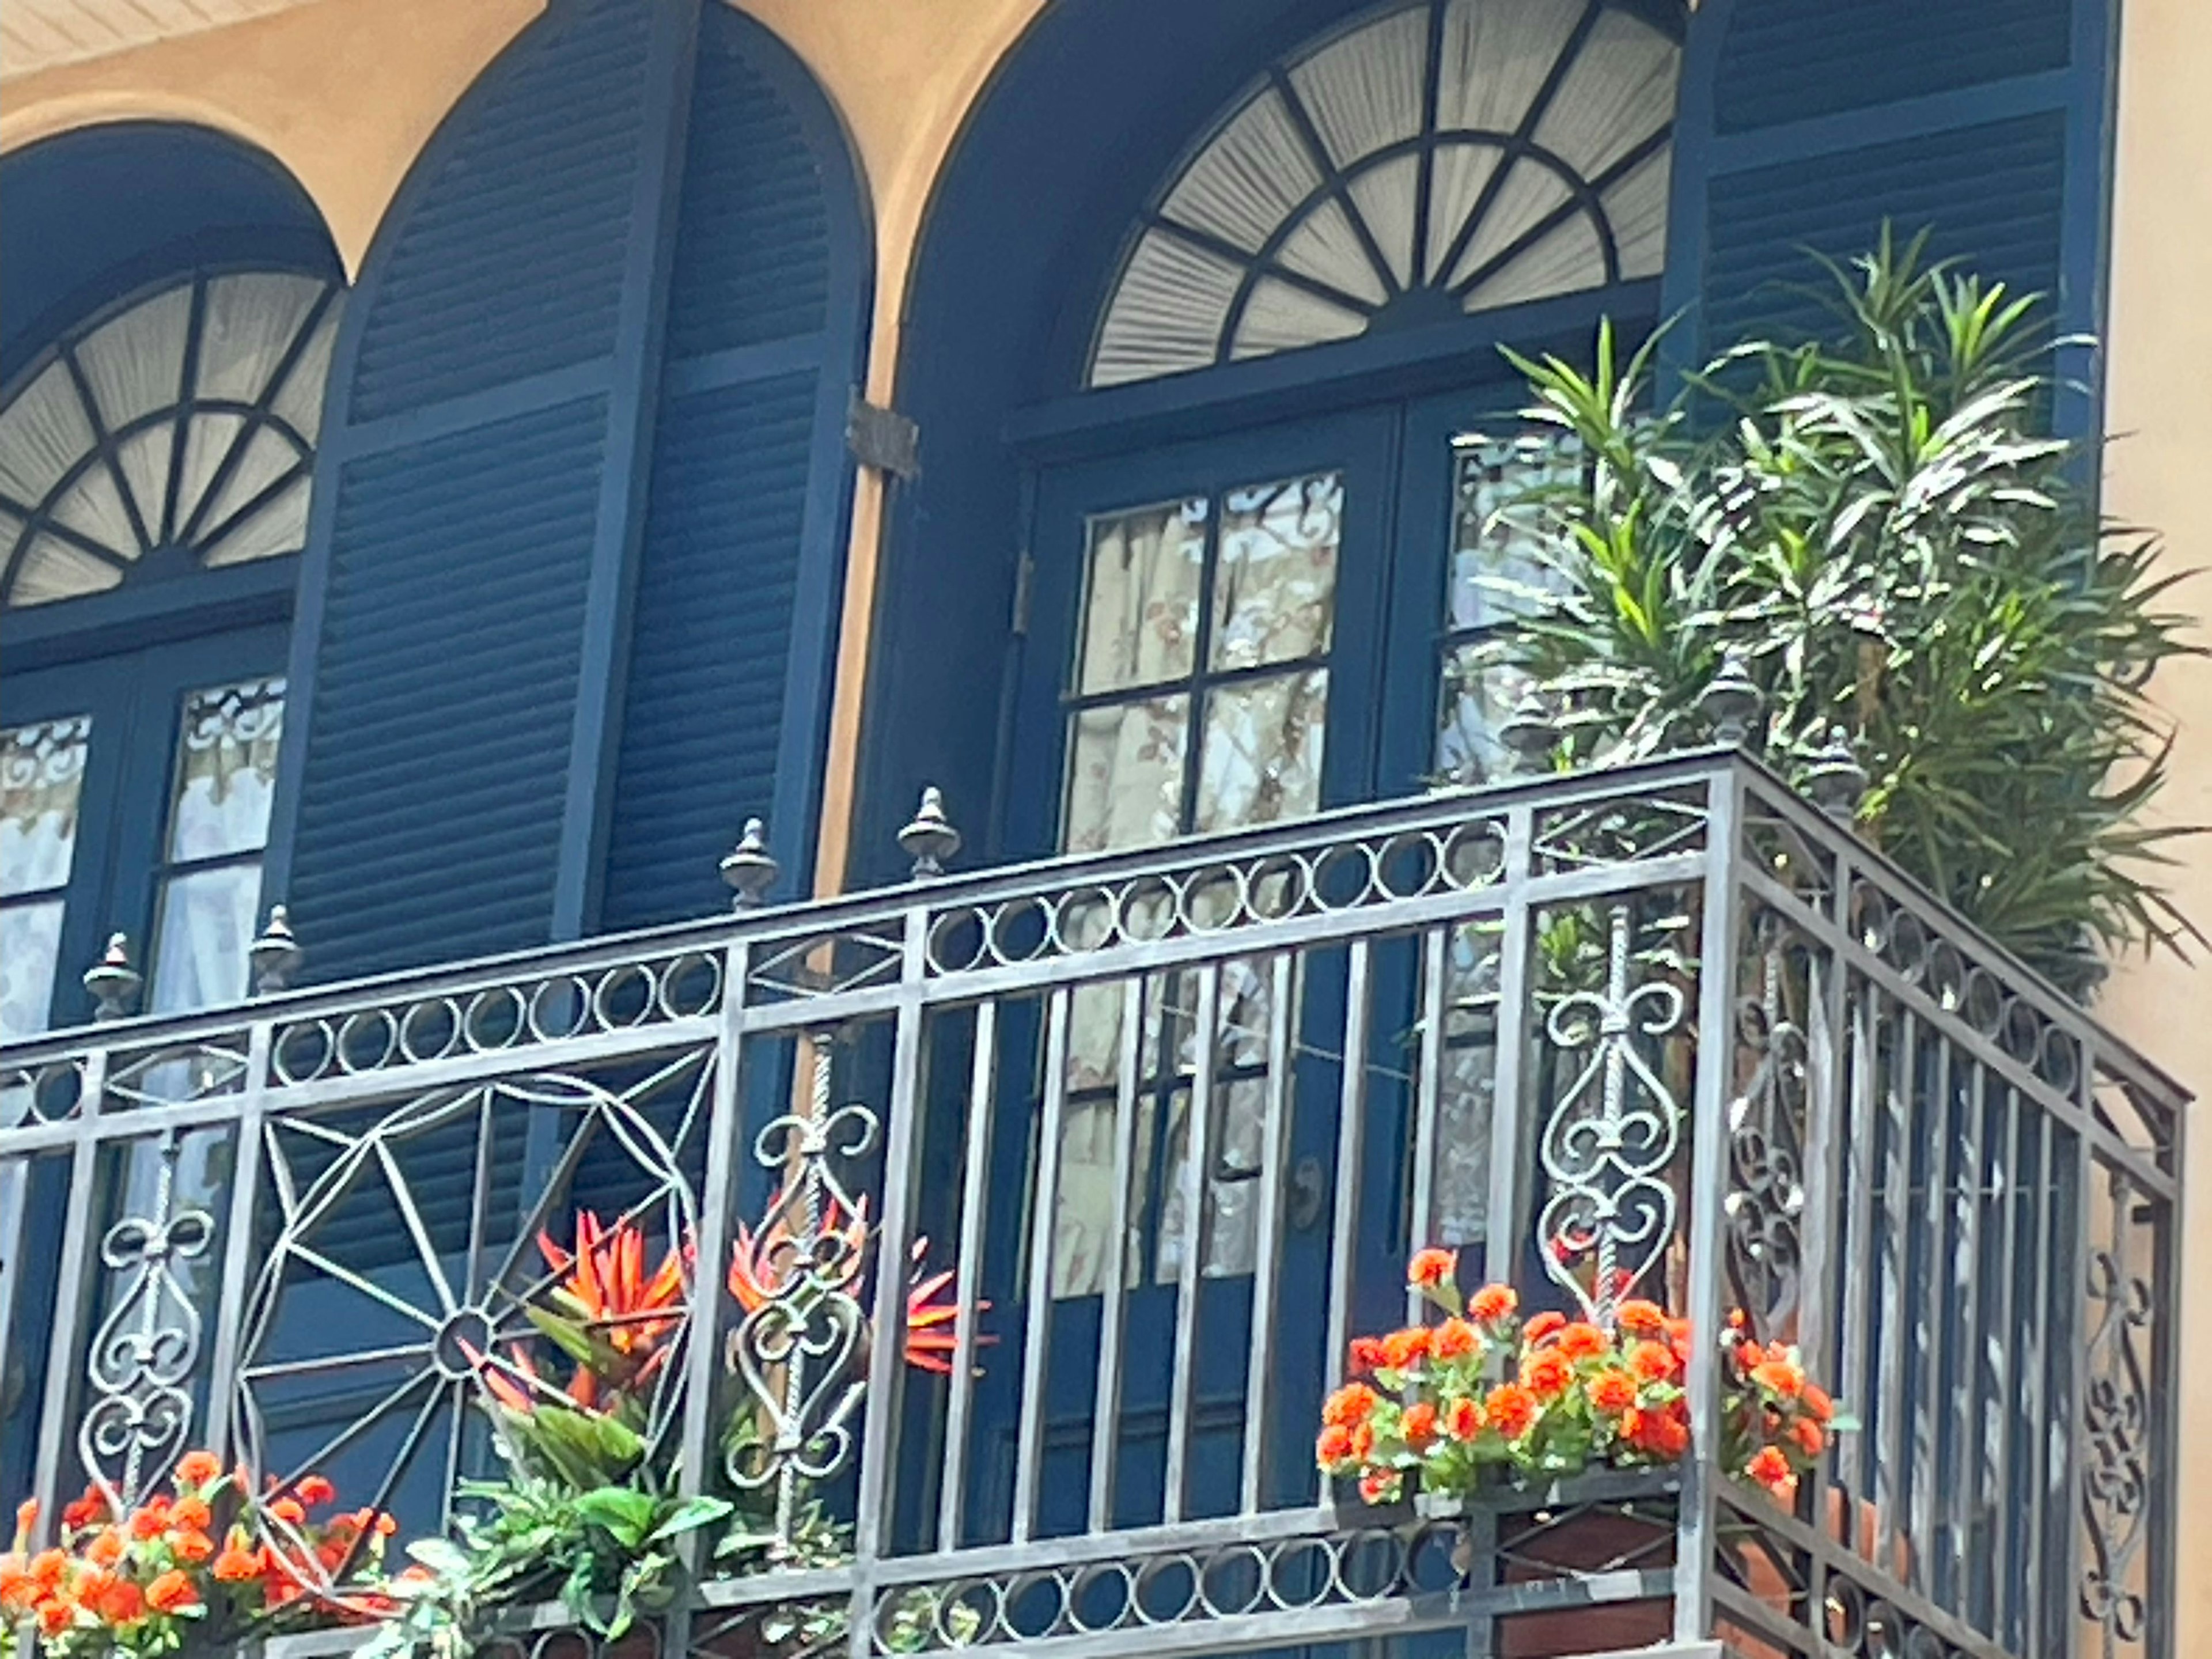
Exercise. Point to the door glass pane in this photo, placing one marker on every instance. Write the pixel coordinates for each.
(1488, 551)
(1126, 777)
(41, 788)
(1274, 591)
(30, 941)
(224, 780)
(207, 921)
(1472, 706)
(41, 777)
(226, 772)
(1261, 758)
(1141, 596)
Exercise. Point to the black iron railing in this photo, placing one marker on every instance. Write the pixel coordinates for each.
(1172, 1120)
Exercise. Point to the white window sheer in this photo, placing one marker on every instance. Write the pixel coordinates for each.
(41, 786)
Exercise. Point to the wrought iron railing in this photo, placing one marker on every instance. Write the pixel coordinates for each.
(1172, 1120)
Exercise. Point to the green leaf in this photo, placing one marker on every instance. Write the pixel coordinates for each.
(625, 1513)
(689, 1516)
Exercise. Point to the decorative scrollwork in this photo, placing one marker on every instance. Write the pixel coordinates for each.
(1765, 1197)
(142, 1358)
(798, 1349)
(2116, 1415)
(1610, 1138)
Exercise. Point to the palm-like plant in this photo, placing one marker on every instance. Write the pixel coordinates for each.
(1883, 531)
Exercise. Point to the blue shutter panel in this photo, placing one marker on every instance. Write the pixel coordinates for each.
(738, 579)
(468, 559)
(1805, 124)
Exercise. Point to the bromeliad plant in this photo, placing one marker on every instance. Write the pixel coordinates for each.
(1880, 530)
(588, 1511)
(195, 1569)
(1480, 1395)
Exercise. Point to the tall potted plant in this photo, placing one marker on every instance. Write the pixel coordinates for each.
(1880, 528)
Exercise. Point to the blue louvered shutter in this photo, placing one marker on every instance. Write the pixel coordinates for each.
(733, 624)
(1807, 123)
(475, 506)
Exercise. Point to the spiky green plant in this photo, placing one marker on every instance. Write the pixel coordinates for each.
(1884, 528)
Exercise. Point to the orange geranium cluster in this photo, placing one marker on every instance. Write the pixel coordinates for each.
(1479, 1389)
(1775, 1423)
(134, 1582)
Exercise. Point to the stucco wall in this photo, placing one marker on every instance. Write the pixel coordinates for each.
(346, 92)
(2159, 408)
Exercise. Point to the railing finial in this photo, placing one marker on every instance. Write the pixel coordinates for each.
(1835, 779)
(113, 982)
(930, 839)
(749, 868)
(1732, 701)
(1530, 731)
(276, 956)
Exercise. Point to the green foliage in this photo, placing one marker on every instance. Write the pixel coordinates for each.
(1884, 530)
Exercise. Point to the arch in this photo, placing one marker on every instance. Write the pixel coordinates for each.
(1020, 250)
(99, 212)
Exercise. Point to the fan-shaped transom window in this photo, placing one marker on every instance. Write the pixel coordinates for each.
(176, 433)
(1442, 157)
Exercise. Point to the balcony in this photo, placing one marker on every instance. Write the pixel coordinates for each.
(1665, 1029)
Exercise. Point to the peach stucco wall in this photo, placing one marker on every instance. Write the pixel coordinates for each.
(2158, 408)
(346, 92)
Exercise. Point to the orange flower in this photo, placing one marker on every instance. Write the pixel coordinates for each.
(196, 1468)
(1379, 1487)
(113, 1600)
(192, 1547)
(26, 1516)
(1334, 1446)
(288, 1510)
(1582, 1341)
(315, 1490)
(190, 1513)
(1402, 1348)
(152, 1521)
(1817, 1402)
(1781, 1376)
(1363, 1440)
(1612, 1391)
(1464, 1419)
(1511, 1409)
(87, 1510)
(1350, 1405)
(1430, 1268)
(1657, 1433)
(237, 1566)
(106, 1549)
(56, 1616)
(1542, 1326)
(1420, 1424)
(1366, 1353)
(1771, 1470)
(1651, 1362)
(1546, 1374)
(1749, 1355)
(1492, 1303)
(1453, 1340)
(19, 1591)
(1812, 1439)
(172, 1592)
(1641, 1318)
(48, 1567)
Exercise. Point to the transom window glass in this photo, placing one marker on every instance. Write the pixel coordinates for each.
(208, 885)
(1202, 685)
(176, 434)
(1444, 157)
(41, 785)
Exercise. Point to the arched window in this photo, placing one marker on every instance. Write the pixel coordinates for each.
(1446, 156)
(166, 361)
(177, 433)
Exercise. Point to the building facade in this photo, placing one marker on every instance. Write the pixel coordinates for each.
(459, 463)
